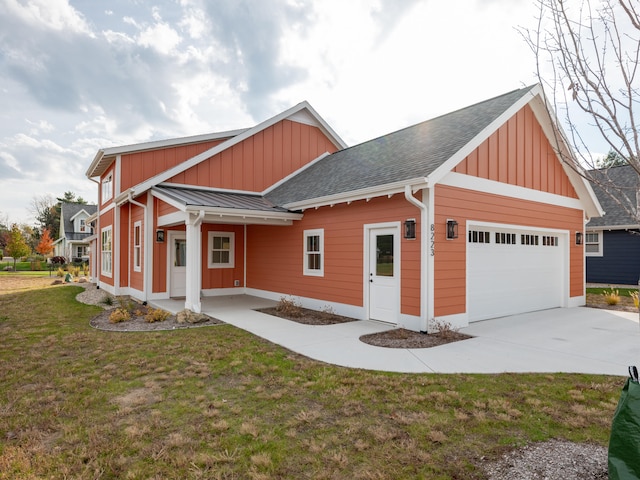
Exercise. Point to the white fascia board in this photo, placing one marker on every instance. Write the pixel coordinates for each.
(612, 227)
(362, 194)
(476, 141)
(469, 182)
(81, 211)
(553, 131)
(324, 126)
(293, 174)
(175, 218)
(193, 161)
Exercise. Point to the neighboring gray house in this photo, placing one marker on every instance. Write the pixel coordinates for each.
(73, 242)
(612, 242)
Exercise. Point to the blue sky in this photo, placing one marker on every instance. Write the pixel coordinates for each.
(76, 76)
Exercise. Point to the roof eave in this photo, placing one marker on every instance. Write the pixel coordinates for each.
(388, 189)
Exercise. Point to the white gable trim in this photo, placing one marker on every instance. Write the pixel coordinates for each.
(193, 161)
(81, 211)
(536, 99)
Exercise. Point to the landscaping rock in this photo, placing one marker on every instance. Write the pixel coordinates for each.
(187, 316)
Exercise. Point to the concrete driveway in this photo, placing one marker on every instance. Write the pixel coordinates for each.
(577, 340)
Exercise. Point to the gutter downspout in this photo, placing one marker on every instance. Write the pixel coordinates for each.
(424, 232)
(145, 276)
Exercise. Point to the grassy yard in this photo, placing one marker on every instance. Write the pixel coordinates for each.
(217, 402)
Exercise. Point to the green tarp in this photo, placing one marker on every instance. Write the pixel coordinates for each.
(624, 442)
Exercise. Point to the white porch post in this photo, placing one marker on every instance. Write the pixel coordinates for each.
(194, 262)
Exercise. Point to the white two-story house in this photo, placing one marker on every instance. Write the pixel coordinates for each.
(73, 243)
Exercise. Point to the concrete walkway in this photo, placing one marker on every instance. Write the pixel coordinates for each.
(577, 340)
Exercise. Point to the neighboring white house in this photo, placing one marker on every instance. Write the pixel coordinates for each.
(73, 241)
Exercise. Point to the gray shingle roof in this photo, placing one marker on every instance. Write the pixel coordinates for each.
(406, 154)
(69, 210)
(207, 198)
(628, 180)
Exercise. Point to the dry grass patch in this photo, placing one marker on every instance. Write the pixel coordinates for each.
(221, 403)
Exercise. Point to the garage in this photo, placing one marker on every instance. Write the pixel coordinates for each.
(513, 270)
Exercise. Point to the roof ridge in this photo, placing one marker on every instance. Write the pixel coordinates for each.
(524, 90)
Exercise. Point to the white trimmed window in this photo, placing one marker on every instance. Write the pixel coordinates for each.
(313, 253)
(593, 244)
(83, 225)
(137, 246)
(107, 251)
(107, 188)
(221, 249)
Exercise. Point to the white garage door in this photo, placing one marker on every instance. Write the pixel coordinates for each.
(513, 271)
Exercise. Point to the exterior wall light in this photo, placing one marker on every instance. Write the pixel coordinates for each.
(452, 229)
(410, 229)
(160, 236)
(578, 238)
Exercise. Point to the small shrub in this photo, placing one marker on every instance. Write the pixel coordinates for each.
(119, 315)
(58, 260)
(107, 300)
(444, 329)
(612, 297)
(60, 273)
(289, 307)
(635, 298)
(156, 315)
(126, 303)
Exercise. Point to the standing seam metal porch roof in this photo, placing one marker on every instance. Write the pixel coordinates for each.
(409, 153)
(212, 199)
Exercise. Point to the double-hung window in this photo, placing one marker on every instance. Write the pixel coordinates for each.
(107, 251)
(593, 244)
(107, 188)
(221, 249)
(313, 253)
(137, 246)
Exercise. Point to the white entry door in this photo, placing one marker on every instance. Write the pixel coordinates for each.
(178, 265)
(384, 274)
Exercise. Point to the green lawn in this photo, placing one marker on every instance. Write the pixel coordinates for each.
(217, 402)
(623, 292)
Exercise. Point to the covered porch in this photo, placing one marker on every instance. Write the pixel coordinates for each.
(200, 211)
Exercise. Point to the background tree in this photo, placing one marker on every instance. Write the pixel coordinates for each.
(47, 209)
(45, 246)
(4, 233)
(588, 56)
(16, 247)
(611, 160)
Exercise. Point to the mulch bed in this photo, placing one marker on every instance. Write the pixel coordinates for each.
(308, 317)
(401, 338)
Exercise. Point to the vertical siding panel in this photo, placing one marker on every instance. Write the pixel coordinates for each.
(503, 153)
(286, 148)
(472, 164)
(537, 160)
(512, 151)
(494, 161)
(227, 167)
(278, 162)
(520, 149)
(296, 145)
(544, 164)
(483, 160)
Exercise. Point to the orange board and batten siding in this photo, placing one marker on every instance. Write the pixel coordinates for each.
(468, 205)
(223, 277)
(519, 153)
(261, 160)
(140, 166)
(106, 220)
(275, 254)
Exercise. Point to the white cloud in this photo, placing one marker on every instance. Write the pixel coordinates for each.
(50, 14)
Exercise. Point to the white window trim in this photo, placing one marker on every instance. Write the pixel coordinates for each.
(107, 188)
(232, 250)
(106, 273)
(308, 271)
(137, 259)
(599, 253)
